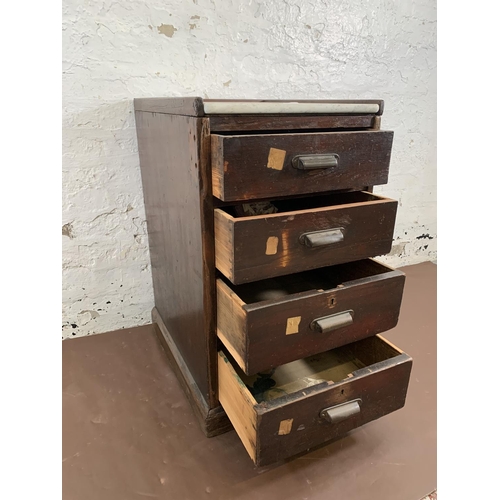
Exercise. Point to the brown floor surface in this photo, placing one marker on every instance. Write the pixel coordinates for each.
(129, 433)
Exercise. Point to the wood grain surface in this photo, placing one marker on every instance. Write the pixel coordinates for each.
(287, 425)
(253, 320)
(242, 244)
(241, 166)
(249, 123)
(177, 193)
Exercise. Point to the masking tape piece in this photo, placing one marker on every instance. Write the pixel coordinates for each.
(285, 427)
(272, 245)
(292, 325)
(276, 159)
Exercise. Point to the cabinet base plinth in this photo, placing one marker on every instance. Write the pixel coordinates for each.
(213, 421)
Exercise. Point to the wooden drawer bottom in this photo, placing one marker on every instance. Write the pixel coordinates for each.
(313, 400)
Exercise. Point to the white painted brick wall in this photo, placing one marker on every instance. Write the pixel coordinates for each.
(115, 51)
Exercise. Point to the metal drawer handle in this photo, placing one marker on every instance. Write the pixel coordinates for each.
(334, 322)
(336, 414)
(312, 162)
(322, 238)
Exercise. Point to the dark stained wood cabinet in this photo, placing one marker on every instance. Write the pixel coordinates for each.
(262, 230)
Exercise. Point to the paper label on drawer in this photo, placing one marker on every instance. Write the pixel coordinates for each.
(276, 159)
(272, 245)
(292, 325)
(285, 427)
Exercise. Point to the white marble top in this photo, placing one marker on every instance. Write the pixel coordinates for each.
(256, 107)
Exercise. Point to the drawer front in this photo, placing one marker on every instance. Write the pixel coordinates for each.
(254, 248)
(253, 123)
(267, 165)
(272, 430)
(268, 333)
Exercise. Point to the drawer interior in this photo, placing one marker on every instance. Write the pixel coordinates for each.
(242, 210)
(280, 413)
(328, 367)
(326, 278)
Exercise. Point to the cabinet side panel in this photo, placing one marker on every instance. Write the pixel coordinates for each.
(169, 151)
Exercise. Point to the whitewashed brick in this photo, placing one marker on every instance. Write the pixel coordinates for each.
(113, 52)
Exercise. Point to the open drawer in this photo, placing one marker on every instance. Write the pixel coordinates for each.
(254, 166)
(307, 402)
(303, 233)
(274, 321)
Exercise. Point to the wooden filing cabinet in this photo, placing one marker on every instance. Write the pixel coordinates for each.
(262, 230)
